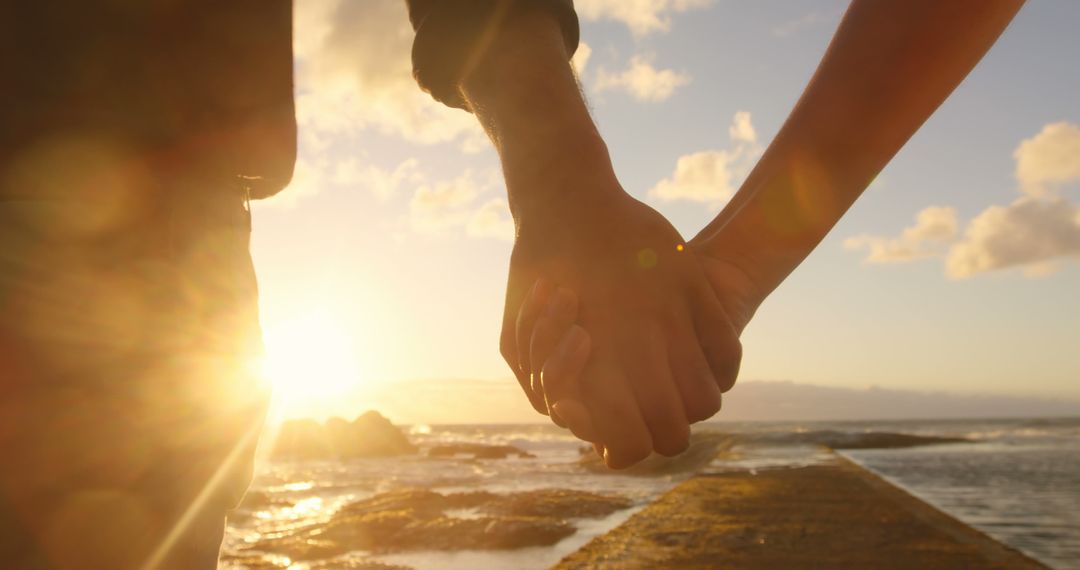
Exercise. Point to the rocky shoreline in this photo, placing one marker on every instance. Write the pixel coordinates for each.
(369, 435)
(417, 519)
(354, 535)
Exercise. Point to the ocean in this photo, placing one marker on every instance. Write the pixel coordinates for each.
(1017, 480)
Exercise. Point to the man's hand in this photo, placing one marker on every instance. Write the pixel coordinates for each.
(662, 346)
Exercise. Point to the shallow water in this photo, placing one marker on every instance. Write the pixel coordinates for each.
(323, 487)
(1019, 482)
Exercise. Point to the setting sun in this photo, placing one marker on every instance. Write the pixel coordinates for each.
(310, 357)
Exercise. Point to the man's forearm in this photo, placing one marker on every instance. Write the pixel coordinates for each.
(526, 96)
(890, 65)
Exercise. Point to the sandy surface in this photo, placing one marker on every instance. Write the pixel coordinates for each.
(836, 515)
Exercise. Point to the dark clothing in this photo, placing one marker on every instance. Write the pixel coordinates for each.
(450, 36)
(129, 401)
(175, 85)
(164, 85)
(127, 388)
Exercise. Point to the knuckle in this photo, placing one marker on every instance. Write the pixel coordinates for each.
(728, 382)
(726, 349)
(672, 441)
(508, 350)
(628, 453)
(725, 361)
(704, 405)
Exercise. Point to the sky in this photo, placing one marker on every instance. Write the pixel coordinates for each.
(382, 268)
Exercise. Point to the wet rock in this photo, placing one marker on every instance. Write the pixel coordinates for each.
(353, 564)
(282, 562)
(484, 533)
(421, 501)
(554, 503)
(558, 503)
(250, 562)
(276, 561)
(478, 451)
(370, 435)
(302, 439)
(412, 530)
(422, 520)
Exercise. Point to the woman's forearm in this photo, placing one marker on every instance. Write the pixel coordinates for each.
(889, 66)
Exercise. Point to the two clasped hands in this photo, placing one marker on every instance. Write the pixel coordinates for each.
(617, 327)
(623, 332)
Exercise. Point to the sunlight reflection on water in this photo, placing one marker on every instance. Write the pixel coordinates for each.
(1020, 484)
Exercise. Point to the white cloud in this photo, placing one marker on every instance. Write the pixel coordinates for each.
(451, 205)
(935, 224)
(1037, 233)
(1049, 159)
(642, 81)
(935, 227)
(492, 220)
(641, 16)
(354, 75)
(309, 178)
(383, 183)
(354, 72)
(741, 129)
(1030, 233)
(709, 176)
(313, 175)
(699, 177)
(444, 204)
(581, 57)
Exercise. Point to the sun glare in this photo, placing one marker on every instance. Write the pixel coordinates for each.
(310, 358)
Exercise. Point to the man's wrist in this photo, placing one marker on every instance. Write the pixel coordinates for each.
(524, 73)
(526, 96)
(564, 189)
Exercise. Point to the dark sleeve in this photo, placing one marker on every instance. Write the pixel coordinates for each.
(452, 33)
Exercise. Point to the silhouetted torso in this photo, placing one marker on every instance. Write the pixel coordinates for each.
(175, 84)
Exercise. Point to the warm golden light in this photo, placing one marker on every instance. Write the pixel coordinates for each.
(309, 359)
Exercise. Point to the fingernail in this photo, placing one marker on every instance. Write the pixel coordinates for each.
(560, 302)
(571, 344)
